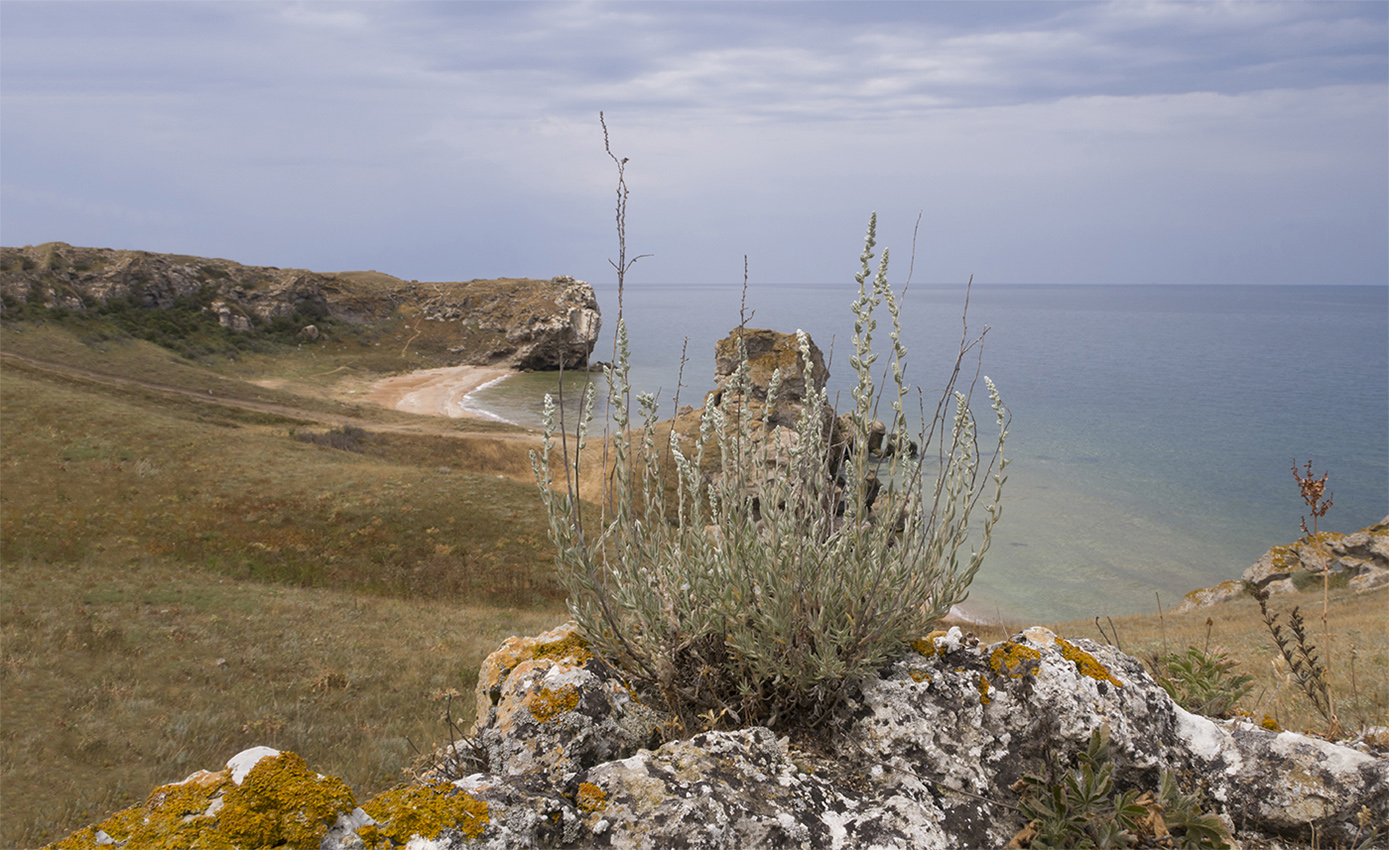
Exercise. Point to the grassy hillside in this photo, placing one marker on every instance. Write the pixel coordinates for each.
(201, 556)
(190, 568)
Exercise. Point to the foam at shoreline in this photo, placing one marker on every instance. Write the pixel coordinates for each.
(468, 403)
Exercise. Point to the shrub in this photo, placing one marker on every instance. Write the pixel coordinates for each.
(348, 438)
(765, 593)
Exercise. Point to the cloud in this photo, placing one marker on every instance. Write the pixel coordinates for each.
(1043, 141)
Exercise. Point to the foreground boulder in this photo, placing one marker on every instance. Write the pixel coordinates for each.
(929, 756)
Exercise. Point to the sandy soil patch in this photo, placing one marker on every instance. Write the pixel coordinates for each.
(434, 392)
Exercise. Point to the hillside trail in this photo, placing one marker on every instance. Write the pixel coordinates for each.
(430, 424)
(427, 422)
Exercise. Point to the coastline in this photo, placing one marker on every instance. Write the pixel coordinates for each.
(438, 392)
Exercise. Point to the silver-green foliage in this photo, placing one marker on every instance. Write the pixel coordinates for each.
(768, 592)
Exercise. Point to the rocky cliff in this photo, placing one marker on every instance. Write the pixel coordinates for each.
(527, 324)
(1359, 561)
(956, 744)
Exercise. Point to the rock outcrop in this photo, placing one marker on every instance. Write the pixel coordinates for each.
(928, 756)
(525, 324)
(1359, 560)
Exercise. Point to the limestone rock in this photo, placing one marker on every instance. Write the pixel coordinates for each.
(769, 351)
(547, 705)
(925, 757)
(262, 798)
(929, 752)
(1362, 556)
(1207, 596)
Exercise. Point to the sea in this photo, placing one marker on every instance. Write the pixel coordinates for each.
(1154, 427)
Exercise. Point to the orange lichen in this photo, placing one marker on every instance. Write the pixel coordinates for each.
(424, 811)
(571, 647)
(280, 802)
(1086, 663)
(1014, 660)
(927, 645)
(920, 676)
(591, 798)
(1270, 724)
(548, 704)
(984, 690)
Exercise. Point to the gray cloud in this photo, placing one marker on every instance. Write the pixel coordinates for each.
(1124, 142)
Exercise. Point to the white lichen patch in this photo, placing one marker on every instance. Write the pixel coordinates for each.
(1203, 738)
(241, 763)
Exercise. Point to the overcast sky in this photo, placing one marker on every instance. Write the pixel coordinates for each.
(1041, 142)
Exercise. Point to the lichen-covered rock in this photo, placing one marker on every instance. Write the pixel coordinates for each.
(1362, 557)
(1207, 596)
(743, 789)
(970, 721)
(546, 704)
(926, 757)
(262, 798)
(769, 351)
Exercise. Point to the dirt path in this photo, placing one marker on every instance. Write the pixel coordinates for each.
(212, 397)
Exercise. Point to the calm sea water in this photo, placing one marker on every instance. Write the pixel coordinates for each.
(1153, 430)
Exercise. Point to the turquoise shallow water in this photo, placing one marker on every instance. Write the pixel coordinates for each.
(1153, 430)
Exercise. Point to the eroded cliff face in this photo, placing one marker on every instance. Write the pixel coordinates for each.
(521, 323)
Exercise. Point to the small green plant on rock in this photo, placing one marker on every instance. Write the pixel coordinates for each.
(1081, 809)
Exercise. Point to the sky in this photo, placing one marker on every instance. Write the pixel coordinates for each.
(1126, 142)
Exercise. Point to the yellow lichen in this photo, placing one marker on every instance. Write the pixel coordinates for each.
(571, 647)
(280, 802)
(1086, 663)
(547, 704)
(984, 690)
(1270, 724)
(919, 676)
(424, 811)
(591, 798)
(927, 645)
(1014, 660)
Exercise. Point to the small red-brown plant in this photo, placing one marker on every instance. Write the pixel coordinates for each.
(1319, 502)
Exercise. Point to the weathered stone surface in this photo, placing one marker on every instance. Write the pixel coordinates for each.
(936, 744)
(926, 757)
(547, 705)
(262, 798)
(769, 351)
(525, 324)
(744, 789)
(1207, 596)
(1362, 557)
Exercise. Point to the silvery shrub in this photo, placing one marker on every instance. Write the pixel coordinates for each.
(767, 592)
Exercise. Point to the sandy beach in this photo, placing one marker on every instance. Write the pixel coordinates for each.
(435, 392)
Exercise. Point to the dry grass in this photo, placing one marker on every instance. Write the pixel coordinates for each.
(1358, 652)
(117, 680)
(148, 534)
(120, 475)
